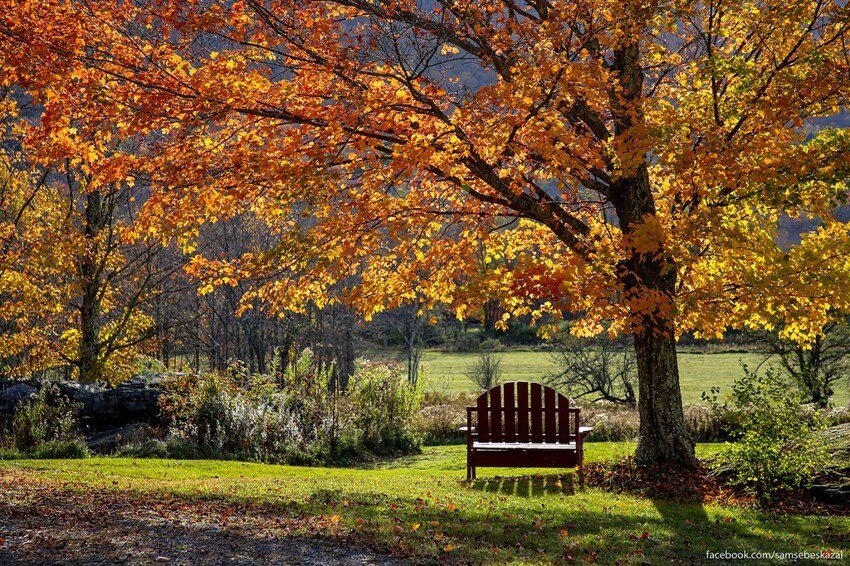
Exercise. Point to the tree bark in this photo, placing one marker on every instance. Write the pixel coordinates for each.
(663, 438)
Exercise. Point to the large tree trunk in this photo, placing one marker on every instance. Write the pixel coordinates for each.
(648, 277)
(663, 437)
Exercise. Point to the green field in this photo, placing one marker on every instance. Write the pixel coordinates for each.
(418, 507)
(446, 371)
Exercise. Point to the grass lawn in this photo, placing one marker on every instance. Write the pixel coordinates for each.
(419, 507)
(446, 371)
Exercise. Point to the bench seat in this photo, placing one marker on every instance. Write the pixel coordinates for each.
(481, 446)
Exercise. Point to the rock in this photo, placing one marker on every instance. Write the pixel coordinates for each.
(12, 393)
(837, 494)
(101, 408)
(837, 487)
(107, 441)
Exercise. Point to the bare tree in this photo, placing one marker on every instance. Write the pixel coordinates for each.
(487, 372)
(599, 367)
(818, 368)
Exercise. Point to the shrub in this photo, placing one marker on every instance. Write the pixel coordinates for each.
(611, 422)
(384, 403)
(775, 448)
(521, 334)
(174, 447)
(487, 371)
(305, 419)
(704, 424)
(232, 414)
(442, 415)
(45, 417)
(440, 418)
(61, 449)
(614, 422)
(836, 415)
(467, 343)
(600, 367)
(492, 345)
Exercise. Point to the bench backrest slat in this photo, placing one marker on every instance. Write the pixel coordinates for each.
(496, 414)
(483, 419)
(563, 419)
(549, 415)
(510, 413)
(536, 413)
(522, 411)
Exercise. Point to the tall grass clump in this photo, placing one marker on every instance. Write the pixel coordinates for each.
(46, 426)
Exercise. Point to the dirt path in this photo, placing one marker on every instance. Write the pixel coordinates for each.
(42, 523)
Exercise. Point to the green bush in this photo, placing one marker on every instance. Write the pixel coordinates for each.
(60, 449)
(176, 448)
(233, 414)
(384, 403)
(45, 417)
(492, 345)
(467, 342)
(775, 448)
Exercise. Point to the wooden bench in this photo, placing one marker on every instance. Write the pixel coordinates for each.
(521, 424)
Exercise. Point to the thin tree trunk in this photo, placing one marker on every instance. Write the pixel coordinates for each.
(89, 360)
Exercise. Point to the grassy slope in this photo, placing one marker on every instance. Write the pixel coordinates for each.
(420, 506)
(447, 371)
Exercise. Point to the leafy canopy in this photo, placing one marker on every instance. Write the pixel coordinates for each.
(385, 140)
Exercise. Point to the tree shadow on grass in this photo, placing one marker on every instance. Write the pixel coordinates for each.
(525, 519)
(503, 519)
(56, 530)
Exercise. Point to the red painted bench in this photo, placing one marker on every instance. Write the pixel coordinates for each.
(523, 425)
